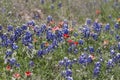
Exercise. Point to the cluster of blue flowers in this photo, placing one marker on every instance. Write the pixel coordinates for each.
(50, 37)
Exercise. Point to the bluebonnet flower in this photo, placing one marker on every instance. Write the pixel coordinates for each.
(42, 45)
(42, 1)
(43, 27)
(52, 6)
(8, 53)
(50, 36)
(14, 46)
(117, 26)
(53, 1)
(83, 59)
(55, 43)
(97, 27)
(119, 46)
(13, 37)
(75, 51)
(24, 27)
(65, 21)
(63, 73)
(89, 59)
(74, 23)
(0, 27)
(31, 63)
(68, 64)
(10, 28)
(17, 65)
(70, 49)
(60, 4)
(111, 32)
(69, 78)
(115, 3)
(99, 50)
(4, 37)
(110, 16)
(107, 27)
(75, 34)
(30, 46)
(31, 23)
(91, 49)
(95, 36)
(3, 10)
(61, 62)
(49, 18)
(112, 52)
(74, 60)
(17, 32)
(40, 53)
(101, 59)
(81, 42)
(117, 37)
(88, 21)
(96, 71)
(97, 64)
(110, 63)
(12, 61)
(68, 72)
(86, 32)
(9, 42)
(28, 37)
(116, 59)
